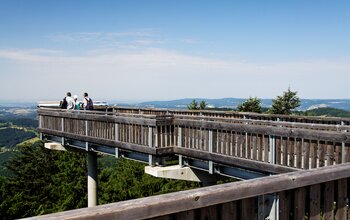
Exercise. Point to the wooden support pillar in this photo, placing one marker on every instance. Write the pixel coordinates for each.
(92, 179)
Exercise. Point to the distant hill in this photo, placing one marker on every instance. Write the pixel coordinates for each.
(330, 112)
(306, 104)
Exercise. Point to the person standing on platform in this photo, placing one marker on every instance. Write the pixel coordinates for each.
(87, 102)
(77, 102)
(70, 101)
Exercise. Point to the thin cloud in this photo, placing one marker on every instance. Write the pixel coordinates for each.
(191, 41)
(123, 74)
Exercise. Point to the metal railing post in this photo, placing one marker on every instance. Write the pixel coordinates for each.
(210, 148)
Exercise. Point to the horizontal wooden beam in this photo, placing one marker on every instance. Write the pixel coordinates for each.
(105, 142)
(236, 114)
(106, 118)
(156, 206)
(326, 127)
(234, 161)
(267, 130)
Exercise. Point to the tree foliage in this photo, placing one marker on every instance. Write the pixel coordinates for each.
(286, 103)
(43, 181)
(10, 137)
(194, 105)
(126, 179)
(253, 104)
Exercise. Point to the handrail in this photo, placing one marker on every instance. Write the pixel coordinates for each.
(173, 204)
(235, 114)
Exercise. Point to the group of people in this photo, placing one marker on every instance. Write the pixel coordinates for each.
(70, 102)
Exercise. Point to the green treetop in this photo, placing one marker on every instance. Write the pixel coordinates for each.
(253, 104)
(286, 103)
(194, 105)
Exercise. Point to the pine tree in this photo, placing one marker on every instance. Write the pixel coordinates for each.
(193, 105)
(43, 181)
(202, 105)
(286, 103)
(253, 104)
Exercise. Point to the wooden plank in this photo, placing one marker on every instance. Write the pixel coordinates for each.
(347, 152)
(321, 154)
(313, 154)
(330, 153)
(187, 215)
(229, 211)
(284, 151)
(290, 146)
(342, 199)
(248, 208)
(260, 147)
(208, 213)
(254, 147)
(244, 144)
(338, 153)
(299, 203)
(234, 143)
(315, 202)
(248, 146)
(266, 148)
(278, 146)
(284, 204)
(298, 152)
(217, 148)
(328, 200)
(215, 140)
(239, 144)
(306, 154)
(234, 161)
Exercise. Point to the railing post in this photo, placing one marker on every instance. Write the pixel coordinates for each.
(179, 144)
(272, 146)
(116, 137)
(343, 148)
(86, 134)
(151, 159)
(210, 148)
(62, 129)
(40, 126)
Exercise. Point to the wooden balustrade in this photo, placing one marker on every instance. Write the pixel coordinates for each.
(297, 145)
(234, 114)
(321, 190)
(321, 193)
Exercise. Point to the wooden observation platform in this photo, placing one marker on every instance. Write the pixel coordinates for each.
(292, 166)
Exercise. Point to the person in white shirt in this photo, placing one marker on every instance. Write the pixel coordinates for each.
(70, 101)
(77, 102)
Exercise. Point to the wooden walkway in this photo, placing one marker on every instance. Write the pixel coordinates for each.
(310, 160)
(288, 144)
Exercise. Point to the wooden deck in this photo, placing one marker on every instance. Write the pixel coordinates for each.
(309, 160)
(288, 144)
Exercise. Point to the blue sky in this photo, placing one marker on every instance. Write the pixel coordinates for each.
(162, 50)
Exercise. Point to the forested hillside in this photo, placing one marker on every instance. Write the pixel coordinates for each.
(46, 181)
(330, 112)
(10, 137)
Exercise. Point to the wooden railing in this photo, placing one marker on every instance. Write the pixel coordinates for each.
(295, 145)
(234, 114)
(315, 194)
